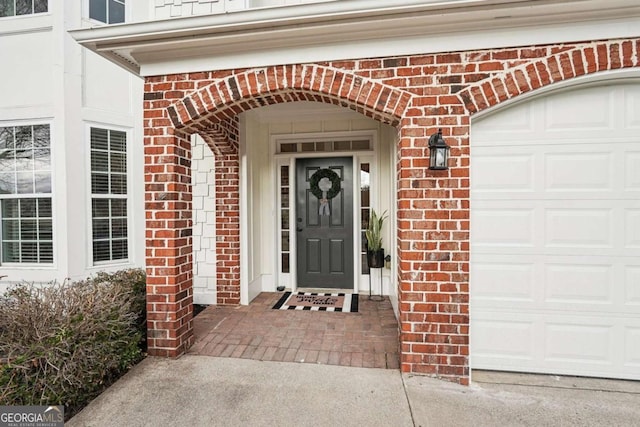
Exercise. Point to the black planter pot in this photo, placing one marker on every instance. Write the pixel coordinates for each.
(375, 259)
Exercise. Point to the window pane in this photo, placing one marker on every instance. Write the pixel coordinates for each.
(6, 8)
(116, 12)
(118, 184)
(119, 207)
(44, 208)
(29, 229)
(10, 252)
(101, 251)
(119, 228)
(284, 175)
(45, 229)
(43, 182)
(118, 162)
(24, 137)
(40, 6)
(24, 182)
(10, 209)
(341, 145)
(99, 161)
(46, 252)
(101, 229)
(42, 158)
(118, 141)
(23, 7)
(98, 10)
(360, 145)
(99, 139)
(120, 250)
(29, 252)
(6, 134)
(99, 183)
(7, 183)
(288, 148)
(28, 208)
(100, 208)
(11, 229)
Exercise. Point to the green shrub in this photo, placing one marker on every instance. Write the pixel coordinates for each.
(63, 344)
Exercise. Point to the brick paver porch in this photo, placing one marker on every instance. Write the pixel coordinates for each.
(367, 339)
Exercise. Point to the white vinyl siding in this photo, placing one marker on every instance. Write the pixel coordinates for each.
(109, 195)
(25, 177)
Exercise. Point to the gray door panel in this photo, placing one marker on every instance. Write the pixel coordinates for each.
(325, 242)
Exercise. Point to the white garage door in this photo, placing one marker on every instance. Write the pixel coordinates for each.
(555, 235)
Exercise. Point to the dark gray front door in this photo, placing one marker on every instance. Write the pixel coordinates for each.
(324, 233)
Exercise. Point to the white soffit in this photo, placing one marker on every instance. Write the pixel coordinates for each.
(353, 29)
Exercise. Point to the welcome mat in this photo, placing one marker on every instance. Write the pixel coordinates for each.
(314, 301)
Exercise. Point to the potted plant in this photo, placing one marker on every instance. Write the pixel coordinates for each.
(375, 252)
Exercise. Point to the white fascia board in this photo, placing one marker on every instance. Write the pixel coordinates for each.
(399, 46)
(312, 33)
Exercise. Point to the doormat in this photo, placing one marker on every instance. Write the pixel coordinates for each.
(313, 301)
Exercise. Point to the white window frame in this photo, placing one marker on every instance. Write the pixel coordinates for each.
(289, 280)
(90, 196)
(50, 196)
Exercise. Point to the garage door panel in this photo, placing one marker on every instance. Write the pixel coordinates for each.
(516, 173)
(556, 343)
(632, 171)
(571, 171)
(579, 284)
(578, 343)
(504, 227)
(632, 107)
(632, 348)
(602, 285)
(588, 109)
(632, 228)
(579, 228)
(555, 235)
(504, 282)
(632, 286)
(503, 340)
(517, 121)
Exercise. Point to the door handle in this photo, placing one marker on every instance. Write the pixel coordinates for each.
(298, 228)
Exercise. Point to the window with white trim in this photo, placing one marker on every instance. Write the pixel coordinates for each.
(22, 7)
(107, 11)
(25, 195)
(109, 218)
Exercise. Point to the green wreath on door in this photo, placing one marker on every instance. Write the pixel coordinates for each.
(331, 176)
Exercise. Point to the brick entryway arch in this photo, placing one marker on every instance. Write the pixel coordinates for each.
(212, 111)
(418, 94)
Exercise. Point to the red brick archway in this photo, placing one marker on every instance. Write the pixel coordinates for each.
(418, 95)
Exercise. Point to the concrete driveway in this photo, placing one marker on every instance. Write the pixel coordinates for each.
(210, 391)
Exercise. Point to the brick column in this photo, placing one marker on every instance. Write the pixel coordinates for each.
(433, 251)
(168, 242)
(227, 182)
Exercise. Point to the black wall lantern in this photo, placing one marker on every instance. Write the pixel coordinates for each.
(438, 152)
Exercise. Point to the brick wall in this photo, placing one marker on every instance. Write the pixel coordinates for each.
(417, 94)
